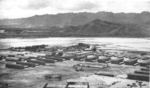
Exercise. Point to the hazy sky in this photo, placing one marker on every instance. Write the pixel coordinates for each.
(25, 8)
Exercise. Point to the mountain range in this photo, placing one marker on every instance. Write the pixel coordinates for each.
(101, 24)
(74, 19)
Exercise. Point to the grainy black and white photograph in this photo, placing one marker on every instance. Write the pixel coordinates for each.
(74, 43)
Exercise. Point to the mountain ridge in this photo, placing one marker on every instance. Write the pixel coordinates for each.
(75, 19)
(103, 28)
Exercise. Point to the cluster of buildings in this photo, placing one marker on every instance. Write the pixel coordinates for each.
(85, 53)
(81, 52)
(142, 74)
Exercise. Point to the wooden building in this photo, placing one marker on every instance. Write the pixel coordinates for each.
(130, 62)
(105, 74)
(79, 58)
(14, 66)
(103, 59)
(29, 64)
(141, 77)
(142, 72)
(145, 69)
(55, 58)
(77, 84)
(37, 62)
(12, 59)
(144, 61)
(90, 58)
(68, 57)
(47, 60)
(116, 60)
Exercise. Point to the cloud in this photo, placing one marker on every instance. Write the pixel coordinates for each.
(84, 5)
(148, 4)
(88, 6)
(26, 8)
(37, 4)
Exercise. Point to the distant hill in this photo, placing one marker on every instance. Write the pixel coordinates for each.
(105, 29)
(95, 28)
(75, 19)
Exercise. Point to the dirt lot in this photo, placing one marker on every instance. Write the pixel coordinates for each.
(35, 77)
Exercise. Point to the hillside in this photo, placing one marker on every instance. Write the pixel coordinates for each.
(103, 28)
(95, 28)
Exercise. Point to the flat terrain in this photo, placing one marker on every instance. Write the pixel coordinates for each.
(104, 43)
(35, 77)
